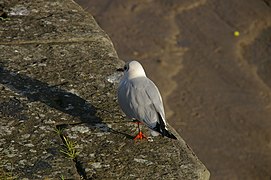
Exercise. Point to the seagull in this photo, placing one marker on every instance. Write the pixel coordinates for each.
(140, 100)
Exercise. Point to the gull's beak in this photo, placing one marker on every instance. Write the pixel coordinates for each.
(120, 69)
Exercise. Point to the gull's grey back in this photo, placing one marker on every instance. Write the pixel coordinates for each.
(139, 98)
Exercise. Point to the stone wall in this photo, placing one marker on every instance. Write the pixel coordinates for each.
(59, 116)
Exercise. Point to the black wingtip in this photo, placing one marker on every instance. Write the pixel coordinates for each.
(169, 135)
(161, 128)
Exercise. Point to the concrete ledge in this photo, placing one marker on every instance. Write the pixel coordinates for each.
(58, 77)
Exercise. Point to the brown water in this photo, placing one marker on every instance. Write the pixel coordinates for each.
(216, 86)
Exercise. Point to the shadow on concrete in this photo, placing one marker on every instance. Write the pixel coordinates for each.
(121, 133)
(52, 96)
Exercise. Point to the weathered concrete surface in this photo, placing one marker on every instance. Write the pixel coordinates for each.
(58, 70)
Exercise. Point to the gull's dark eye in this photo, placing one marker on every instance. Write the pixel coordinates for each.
(126, 68)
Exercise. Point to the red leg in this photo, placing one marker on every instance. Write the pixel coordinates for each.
(140, 135)
(137, 122)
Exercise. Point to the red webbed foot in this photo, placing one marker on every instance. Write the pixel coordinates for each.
(140, 136)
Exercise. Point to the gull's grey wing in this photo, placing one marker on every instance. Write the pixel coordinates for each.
(140, 99)
(160, 123)
(154, 94)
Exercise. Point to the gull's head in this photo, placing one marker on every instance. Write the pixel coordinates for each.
(133, 69)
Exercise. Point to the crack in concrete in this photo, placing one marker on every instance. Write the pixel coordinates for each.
(57, 41)
(77, 163)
